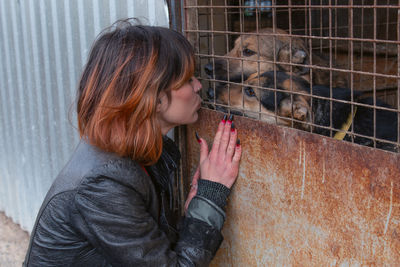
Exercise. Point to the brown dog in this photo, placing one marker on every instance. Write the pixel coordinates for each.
(256, 53)
(279, 98)
(258, 99)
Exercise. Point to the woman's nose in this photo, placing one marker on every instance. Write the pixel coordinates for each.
(197, 85)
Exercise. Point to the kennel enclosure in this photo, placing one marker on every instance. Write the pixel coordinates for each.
(303, 199)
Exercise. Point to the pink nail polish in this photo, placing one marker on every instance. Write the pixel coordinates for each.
(238, 143)
(233, 127)
(224, 119)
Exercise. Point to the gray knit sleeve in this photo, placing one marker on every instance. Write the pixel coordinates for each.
(216, 192)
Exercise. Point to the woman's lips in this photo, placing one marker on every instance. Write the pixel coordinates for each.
(198, 105)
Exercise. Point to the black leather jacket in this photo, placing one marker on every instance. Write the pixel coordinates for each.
(104, 210)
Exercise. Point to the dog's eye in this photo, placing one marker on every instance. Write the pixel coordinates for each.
(247, 52)
(249, 91)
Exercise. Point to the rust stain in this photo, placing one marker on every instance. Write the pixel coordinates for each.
(306, 200)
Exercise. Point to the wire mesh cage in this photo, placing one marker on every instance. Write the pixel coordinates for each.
(325, 66)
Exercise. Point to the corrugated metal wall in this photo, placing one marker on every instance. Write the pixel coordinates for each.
(43, 46)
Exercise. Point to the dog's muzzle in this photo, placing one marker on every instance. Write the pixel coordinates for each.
(209, 70)
(210, 94)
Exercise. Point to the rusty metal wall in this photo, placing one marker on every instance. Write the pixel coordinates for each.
(43, 46)
(303, 199)
(306, 200)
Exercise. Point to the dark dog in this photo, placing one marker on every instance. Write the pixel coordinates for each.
(254, 53)
(319, 112)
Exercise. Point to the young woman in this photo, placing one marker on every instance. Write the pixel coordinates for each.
(113, 203)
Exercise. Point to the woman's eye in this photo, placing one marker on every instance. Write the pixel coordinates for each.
(249, 91)
(247, 52)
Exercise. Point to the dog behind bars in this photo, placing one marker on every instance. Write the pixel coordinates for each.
(257, 52)
(291, 103)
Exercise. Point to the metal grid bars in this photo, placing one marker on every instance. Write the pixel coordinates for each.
(325, 66)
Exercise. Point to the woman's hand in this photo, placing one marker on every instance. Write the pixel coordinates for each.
(221, 165)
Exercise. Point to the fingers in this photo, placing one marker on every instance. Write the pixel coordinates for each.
(217, 138)
(232, 143)
(229, 126)
(238, 154)
(203, 148)
(222, 163)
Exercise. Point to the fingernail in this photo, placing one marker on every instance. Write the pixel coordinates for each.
(224, 119)
(197, 137)
(230, 118)
(238, 142)
(233, 127)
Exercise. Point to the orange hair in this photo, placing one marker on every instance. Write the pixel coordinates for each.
(128, 66)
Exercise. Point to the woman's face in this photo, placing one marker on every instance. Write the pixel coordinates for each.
(185, 102)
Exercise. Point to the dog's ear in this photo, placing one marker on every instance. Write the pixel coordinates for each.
(303, 85)
(293, 83)
(294, 55)
(271, 98)
(284, 81)
(269, 78)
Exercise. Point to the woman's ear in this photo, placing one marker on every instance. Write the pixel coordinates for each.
(161, 102)
(159, 105)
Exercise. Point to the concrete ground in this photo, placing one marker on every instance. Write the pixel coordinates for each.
(13, 243)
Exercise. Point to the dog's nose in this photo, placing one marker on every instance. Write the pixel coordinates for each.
(210, 93)
(209, 69)
(299, 57)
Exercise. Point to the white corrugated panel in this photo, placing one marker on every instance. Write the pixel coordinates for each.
(43, 46)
